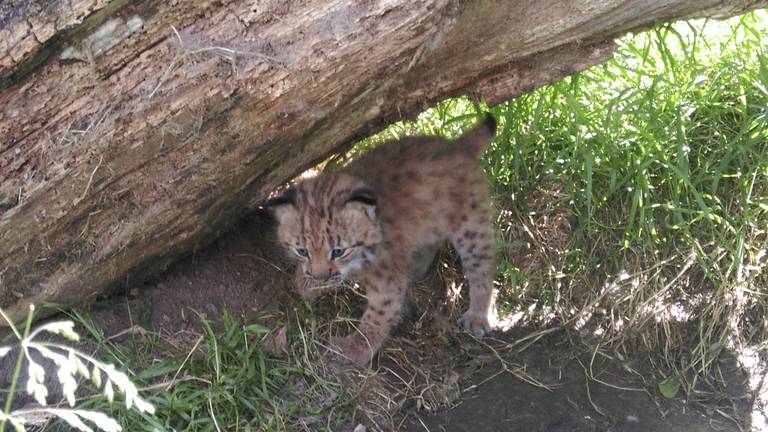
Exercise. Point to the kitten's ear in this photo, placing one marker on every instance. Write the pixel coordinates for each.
(282, 205)
(365, 199)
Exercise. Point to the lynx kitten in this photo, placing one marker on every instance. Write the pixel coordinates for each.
(371, 220)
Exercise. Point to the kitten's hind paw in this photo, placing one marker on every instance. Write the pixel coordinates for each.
(475, 323)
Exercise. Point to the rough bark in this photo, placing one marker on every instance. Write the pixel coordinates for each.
(134, 130)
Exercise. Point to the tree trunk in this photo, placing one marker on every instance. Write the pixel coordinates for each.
(134, 130)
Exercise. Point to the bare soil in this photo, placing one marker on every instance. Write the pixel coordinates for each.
(564, 400)
(243, 272)
(454, 382)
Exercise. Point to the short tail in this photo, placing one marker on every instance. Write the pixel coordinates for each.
(480, 136)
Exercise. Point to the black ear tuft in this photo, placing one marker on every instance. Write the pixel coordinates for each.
(363, 195)
(287, 197)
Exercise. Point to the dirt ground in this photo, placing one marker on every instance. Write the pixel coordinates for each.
(570, 403)
(457, 383)
(243, 272)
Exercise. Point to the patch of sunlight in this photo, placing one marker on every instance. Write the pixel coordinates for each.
(535, 311)
(310, 173)
(749, 360)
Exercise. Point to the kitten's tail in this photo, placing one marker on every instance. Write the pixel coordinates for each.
(480, 136)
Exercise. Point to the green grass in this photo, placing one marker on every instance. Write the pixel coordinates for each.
(664, 150)
(659, 160)
(225, 382)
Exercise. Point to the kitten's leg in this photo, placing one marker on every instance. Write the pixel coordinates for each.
(385, 299)
(474, 243)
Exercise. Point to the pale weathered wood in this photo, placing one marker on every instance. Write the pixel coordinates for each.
(133, 130)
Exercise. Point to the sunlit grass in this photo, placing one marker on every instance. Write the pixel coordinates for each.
(663, 153)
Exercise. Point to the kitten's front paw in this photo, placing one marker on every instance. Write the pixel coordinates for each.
(476, 323)
(353, 348)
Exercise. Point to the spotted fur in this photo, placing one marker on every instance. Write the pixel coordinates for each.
(373, 219)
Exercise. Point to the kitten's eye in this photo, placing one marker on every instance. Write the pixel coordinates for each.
(302, 252)
(337, 253)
